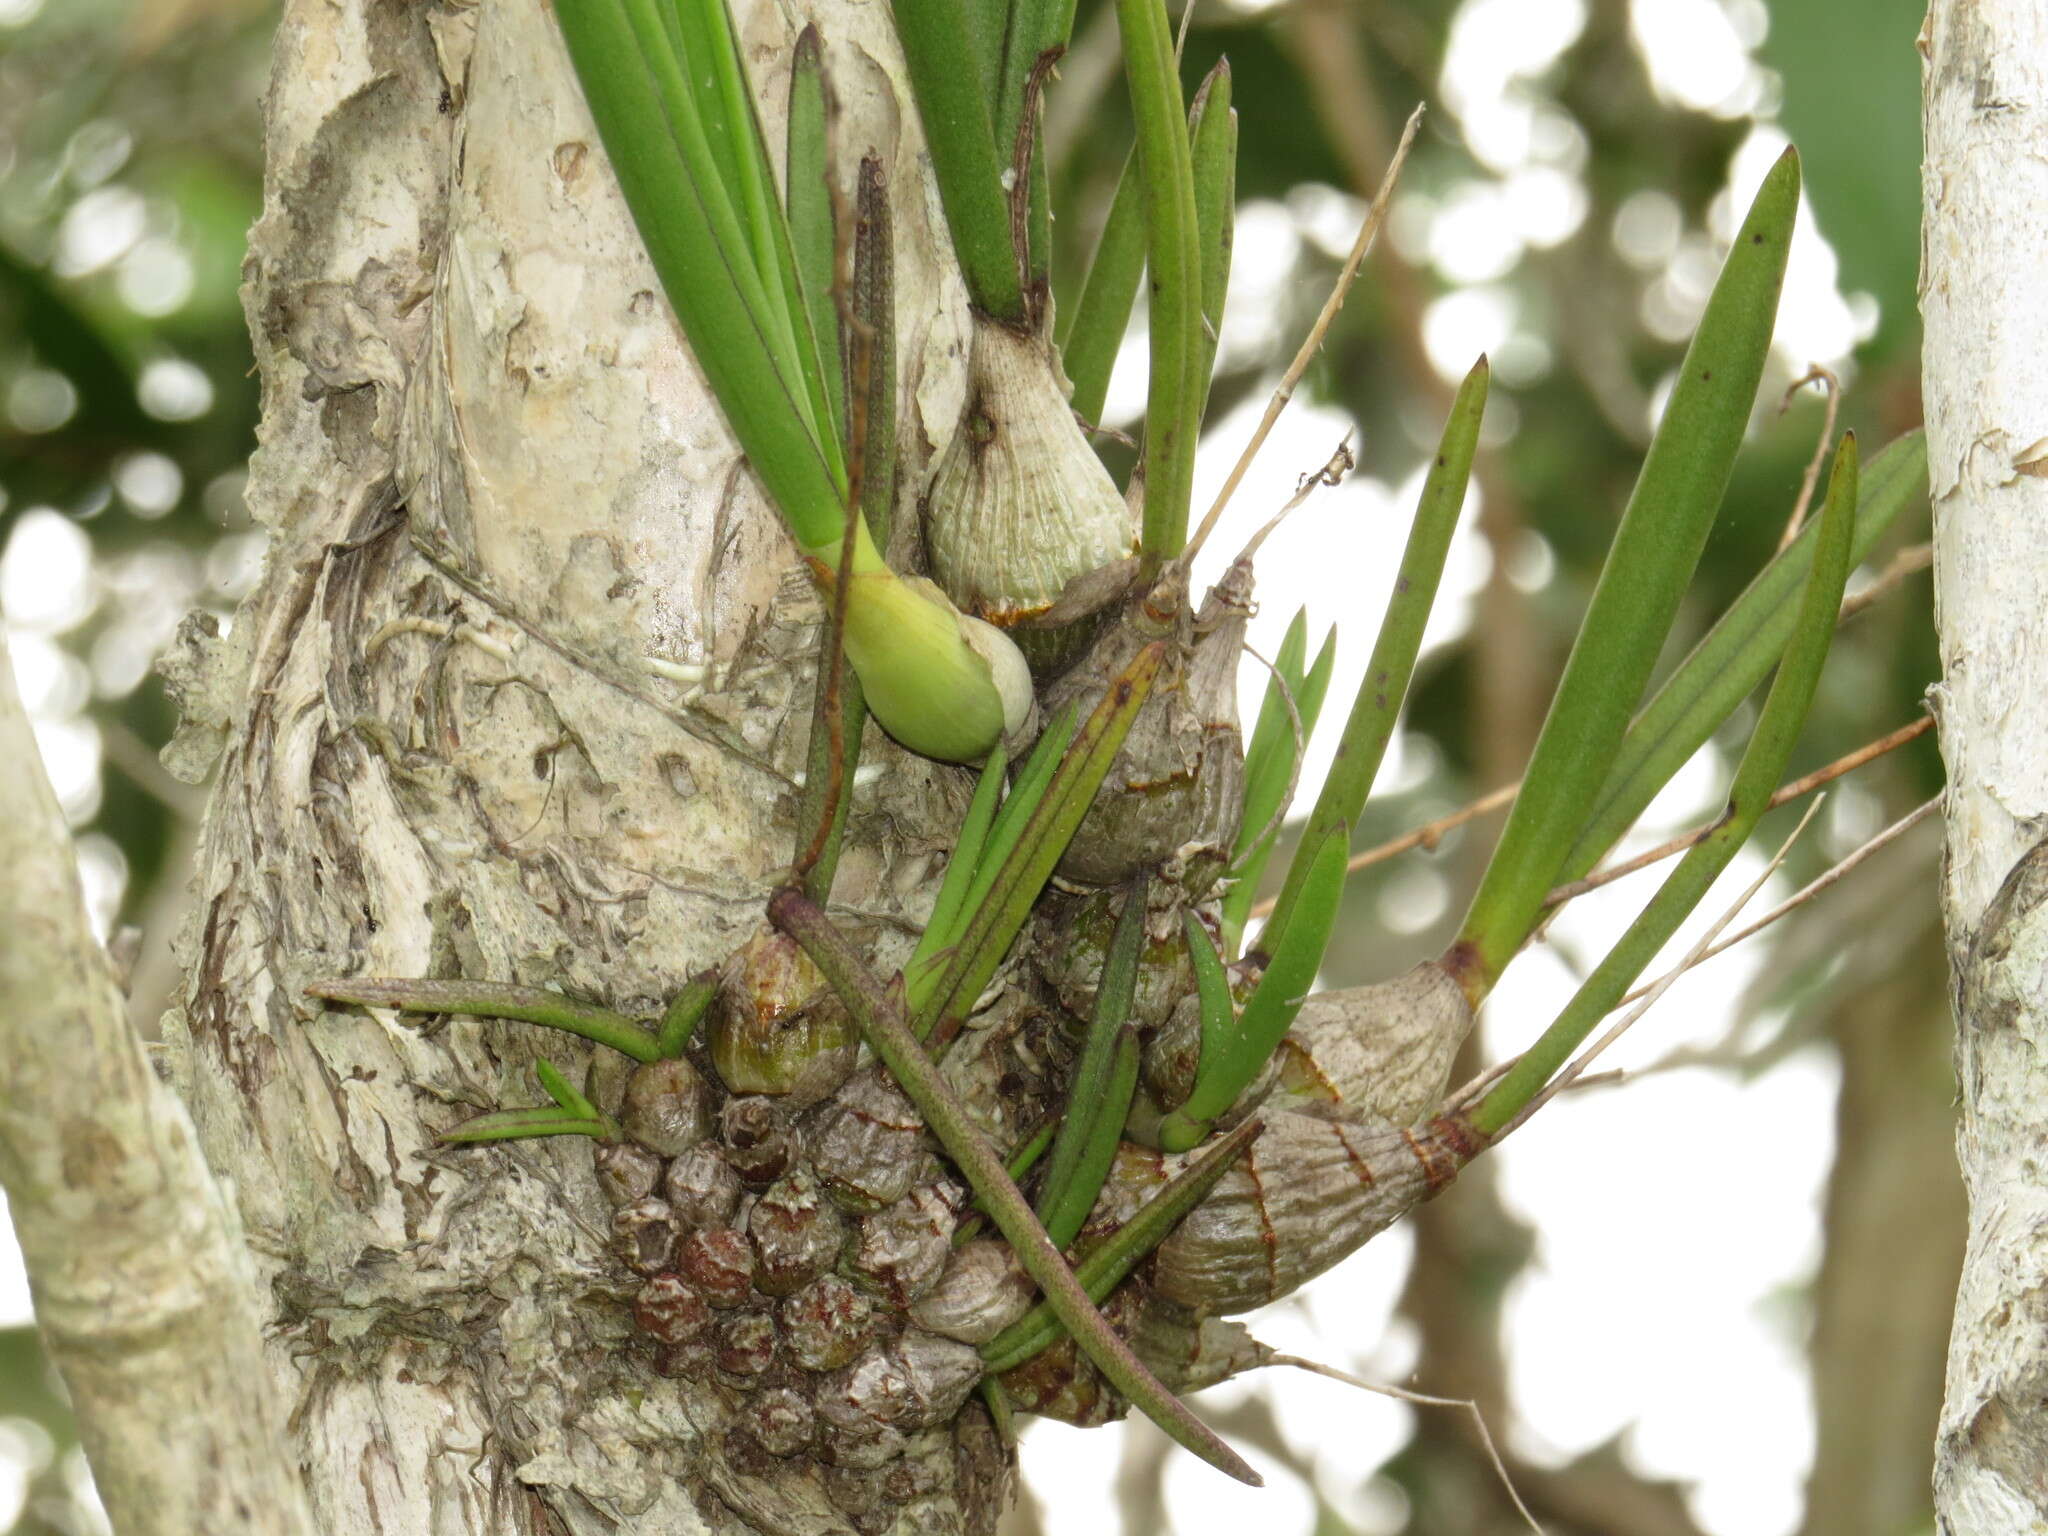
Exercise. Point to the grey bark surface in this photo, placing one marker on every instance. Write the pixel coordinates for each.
(1985, 198)
(141, 1283)
(511, 702)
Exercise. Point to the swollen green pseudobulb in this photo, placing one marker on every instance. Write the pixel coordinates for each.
(941, 682)
(674, 109)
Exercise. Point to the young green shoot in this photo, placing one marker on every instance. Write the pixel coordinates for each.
(1014, 887)
(1173, 256)
(1250, 1042)
(571, 1114)
(983, 847)
(1288, 714)
(1647, 570)
(1105, 1078)
(684, 1013)
(1218, 1009)
(1104, 1267)
(494, 1000)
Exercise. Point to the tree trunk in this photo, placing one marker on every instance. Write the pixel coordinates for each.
(519, 697)
(1986, 311)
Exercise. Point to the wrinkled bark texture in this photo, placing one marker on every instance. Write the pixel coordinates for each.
(456, 737)
(1986, 309)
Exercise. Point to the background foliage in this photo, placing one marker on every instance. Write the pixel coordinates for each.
(1561, 211)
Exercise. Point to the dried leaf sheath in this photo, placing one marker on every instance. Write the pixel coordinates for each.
(1307, 1194)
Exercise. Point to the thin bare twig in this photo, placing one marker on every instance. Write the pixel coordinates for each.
(1831, 391)
(1368, 231)
(1650, 994)
(1815, 886)
(1422, 1399)
(1428, 835)
(1847, 763)
(1910, 561)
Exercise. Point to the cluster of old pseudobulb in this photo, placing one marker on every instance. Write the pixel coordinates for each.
(794, 1233)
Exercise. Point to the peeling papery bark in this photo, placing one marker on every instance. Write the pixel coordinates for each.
(1985, 198)
(514, 700)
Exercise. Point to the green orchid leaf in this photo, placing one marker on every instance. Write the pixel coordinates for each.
(1756, 778)
(1648, 568)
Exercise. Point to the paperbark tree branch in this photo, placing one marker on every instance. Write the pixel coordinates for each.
(1985, 198)
(142, 1289)
(518, 698)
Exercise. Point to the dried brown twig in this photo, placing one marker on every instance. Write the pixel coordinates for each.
(1847, 763)
(1424, 1400)
(1831, 391)
(1368, 232)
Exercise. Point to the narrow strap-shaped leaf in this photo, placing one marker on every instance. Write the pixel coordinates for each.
(1036, 28)
(813, 227)
(1268, 787)
(952, 99)
(1756, 776)
(1647, 570)
(1108, 1066)
(694, 240)
(685, 1012)
(888, 1034)
(1212, 993)
(1377, 707)
(564, 1092)
(707, 30)
(1212, 130)
(1104, 1267)
(690, 58)
(1270, 1010)
(995, 921)
(928, 967)
(1733, 657)
(1281, 733)
(986, 26)
(1173, 403)
(523, 1124)
(1026, 791)
(1273, 733)
(960, 865)
(494, 1000)
(1091, 329)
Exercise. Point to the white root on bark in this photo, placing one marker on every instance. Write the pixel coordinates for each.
(1985, 239)
(142, 1287)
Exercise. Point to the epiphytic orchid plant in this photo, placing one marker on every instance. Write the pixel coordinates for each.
(1215, 1134)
